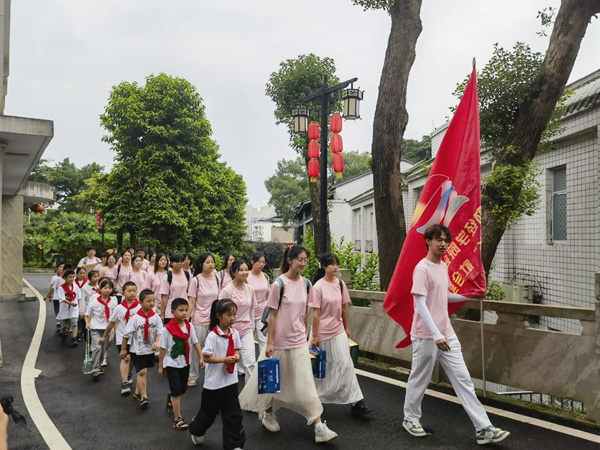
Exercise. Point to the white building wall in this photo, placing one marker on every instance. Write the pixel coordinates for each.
(347, 190)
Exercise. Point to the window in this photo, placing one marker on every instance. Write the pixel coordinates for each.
(559, 204)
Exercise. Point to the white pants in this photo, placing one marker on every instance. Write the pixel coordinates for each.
(424, 356)
(261, 338)
(247, 355)
(201, 333)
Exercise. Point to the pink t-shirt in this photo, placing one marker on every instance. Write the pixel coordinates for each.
(224, 278)
(205, 291)
(244, 301)
(328, 298)
(124, 276)
(154, 282)
(107, 272)
(260, 283)
(177, 289)
(432, 281)
(139, 278)
(290, 331)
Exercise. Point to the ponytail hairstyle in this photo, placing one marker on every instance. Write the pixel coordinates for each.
(325, 260)
(292, 253)
(158, 257)
(256, 257)
(235, 267)
(226, 257)
(200, 262)
(79, 269)
(220, 307)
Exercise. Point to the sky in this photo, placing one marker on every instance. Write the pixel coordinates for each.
(66, 55)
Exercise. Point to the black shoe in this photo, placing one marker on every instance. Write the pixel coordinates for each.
(144, 403)
(74, 344)
(137, 396)
(360, 409)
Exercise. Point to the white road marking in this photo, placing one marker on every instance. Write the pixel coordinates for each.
(499, 412)
(29, 373)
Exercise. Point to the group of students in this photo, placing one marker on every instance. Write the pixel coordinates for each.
(193, 319)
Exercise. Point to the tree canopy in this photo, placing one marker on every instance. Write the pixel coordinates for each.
(167, 185)
(288, 187)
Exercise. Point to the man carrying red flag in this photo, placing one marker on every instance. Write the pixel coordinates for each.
(434, 339)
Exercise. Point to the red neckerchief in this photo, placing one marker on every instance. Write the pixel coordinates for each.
(106, 308)
(230, 346)
(82, 283)
(129, 308)
(69, 292)
(147, 324)
(96, 290)
(179, 335)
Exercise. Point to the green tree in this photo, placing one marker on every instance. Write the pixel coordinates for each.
(297, 78)
(389, 124)
(289, 186)
(519, 105)
(67, 178)
(167, 185)
(417, 150)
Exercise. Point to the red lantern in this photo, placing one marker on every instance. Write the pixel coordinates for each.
(338, 164)
(313, 131)
(337, 145)
(313, 150)
(36, 208)
(98, 219)
(313, 170)
(336, 123)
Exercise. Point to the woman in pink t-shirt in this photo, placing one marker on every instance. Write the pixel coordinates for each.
(286, 341)
(154, 281)
(187, 264)
(225, 272)
(137, 275)
(260, 282)
(242, 295)
(203, 291)
(124, 269)
(110, 269)
(330, 332)
(174, 285)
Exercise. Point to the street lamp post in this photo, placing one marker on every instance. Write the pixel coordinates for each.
(322, 97)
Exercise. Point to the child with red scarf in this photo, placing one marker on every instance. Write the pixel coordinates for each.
(123, 312)
(143, 332)
(175, 346)
(68, 313)
(98, 314)
(220, 394)
(88, 291)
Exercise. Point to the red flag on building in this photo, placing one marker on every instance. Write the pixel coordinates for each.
(451, 197)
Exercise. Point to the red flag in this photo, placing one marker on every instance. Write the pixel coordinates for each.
(451, 197)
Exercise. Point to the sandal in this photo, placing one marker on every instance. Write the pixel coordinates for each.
(96, 375)
(179, 424)
(192, 383)
(169, 407)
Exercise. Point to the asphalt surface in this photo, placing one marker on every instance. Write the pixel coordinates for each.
(93, 415)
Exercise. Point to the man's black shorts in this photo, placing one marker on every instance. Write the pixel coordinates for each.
(141, 362)
(119, 348)
(178, 378)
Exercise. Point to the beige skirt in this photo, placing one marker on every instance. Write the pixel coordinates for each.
(298, 392)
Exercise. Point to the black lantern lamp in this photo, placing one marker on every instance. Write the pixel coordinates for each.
(352, 98)
(300, 116)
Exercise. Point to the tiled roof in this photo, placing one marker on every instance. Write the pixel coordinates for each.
(587, 93)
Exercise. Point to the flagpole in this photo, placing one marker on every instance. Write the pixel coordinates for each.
(482, 348)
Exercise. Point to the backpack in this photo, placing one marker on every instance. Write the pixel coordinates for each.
(267, 311)
(230, 290)
(170, 277)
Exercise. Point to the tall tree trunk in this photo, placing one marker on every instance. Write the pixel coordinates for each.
(389, 125)
(535, 111)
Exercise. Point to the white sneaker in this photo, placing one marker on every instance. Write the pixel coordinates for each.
(323, 433)
(414, 428)
(198, 440)
(269, 421)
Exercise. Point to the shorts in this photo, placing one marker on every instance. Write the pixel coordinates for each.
(65, 323)
(178, 378)
(119, 348)
(141, 362)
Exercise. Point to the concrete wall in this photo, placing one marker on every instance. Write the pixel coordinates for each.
(559, 364)
(11, 263)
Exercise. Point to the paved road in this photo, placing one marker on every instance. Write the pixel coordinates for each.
(93, 415)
